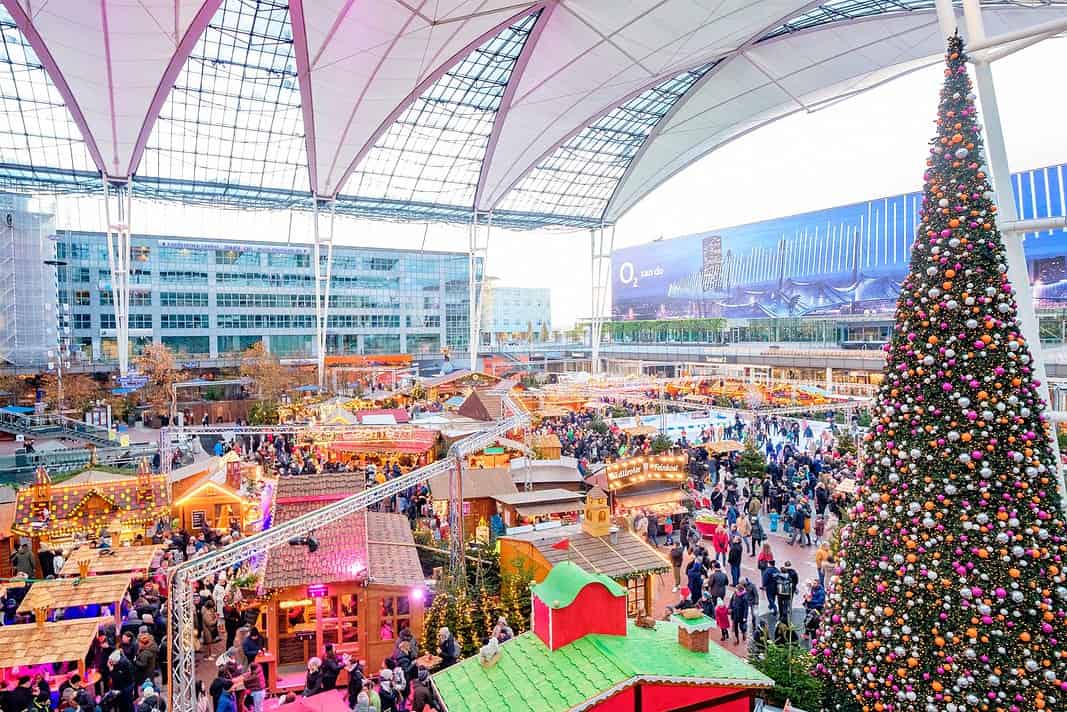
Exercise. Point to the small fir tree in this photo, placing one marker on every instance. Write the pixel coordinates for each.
(751, 463)
(952, 596)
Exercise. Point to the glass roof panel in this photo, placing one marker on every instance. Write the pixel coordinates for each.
(844, 10)
(433, 152)
(36, 129)
(233, 117)
(579, 178)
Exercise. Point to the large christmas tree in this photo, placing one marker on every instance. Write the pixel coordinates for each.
(952, 595)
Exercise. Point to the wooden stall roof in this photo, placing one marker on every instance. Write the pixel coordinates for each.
(721, 446)
(534, 504)
(65, 641)
(110, 561)
(477, 483)
(392, 559)
(628, 557)
(330, 487)
(546, 440)
(544, 472)
(74, 592)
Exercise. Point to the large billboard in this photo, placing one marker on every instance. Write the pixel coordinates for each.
(845, 260)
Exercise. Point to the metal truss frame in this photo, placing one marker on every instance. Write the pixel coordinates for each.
(118, 200)
(180, 613)
(477, 250)
(601, 242)
(323, 237)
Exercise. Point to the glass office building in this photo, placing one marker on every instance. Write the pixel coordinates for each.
(210, 298)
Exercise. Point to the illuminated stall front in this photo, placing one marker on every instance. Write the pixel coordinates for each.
(358, 589)
(405, 445)
(653, 483)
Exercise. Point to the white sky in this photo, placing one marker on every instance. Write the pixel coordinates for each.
(868, 146)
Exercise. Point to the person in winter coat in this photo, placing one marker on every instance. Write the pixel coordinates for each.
(652, 529)
(677, 554)
(421, 696)
(226, 701)
(758, 535)
(739, 613)
(717, 583)
(355, 679)
(695, 575)
(816, 598)
(720, 542)
(331, 668)
(752, 598)
(388, 697)
(744, 530)
(121, 679)
(150, 699)
(447, 648)
(722, 619)
(20, 698)
(24, 561)
(733, 557)
(770, 585)
(256, 685)
(144, 662)
(313, 681)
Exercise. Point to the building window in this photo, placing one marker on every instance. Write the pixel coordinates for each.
(80, 275)
(82, 321)
(183, 321)
(236, 343)
(183, 299)
(395, 616)
(82, 298)
(107, 321)
(140, 299)
(635, 596)
(236, 257)
(188, 345)
(181, 277)
(140, 321)
(107, 298)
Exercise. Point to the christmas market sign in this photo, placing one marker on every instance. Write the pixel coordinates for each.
(647, 468)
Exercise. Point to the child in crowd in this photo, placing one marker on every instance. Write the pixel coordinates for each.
(722, 618)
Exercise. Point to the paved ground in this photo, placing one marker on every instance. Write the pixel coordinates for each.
(802, 558)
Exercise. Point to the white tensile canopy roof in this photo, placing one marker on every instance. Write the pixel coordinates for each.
(566, 112)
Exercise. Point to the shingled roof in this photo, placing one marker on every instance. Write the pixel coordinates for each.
(628, 557)
(344, 552)
(477, 483)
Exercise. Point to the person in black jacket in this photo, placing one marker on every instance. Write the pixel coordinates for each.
(331, 668)
(313, 681)
(447, 648)
(739, 613)
(20, 698)
(121, 680)
(717, 583)
(355, 679)
(733, 558)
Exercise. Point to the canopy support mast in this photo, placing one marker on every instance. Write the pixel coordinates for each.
(118, 196)
(601, 240)
(323, 235)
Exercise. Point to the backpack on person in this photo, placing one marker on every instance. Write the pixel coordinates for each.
(785, 583)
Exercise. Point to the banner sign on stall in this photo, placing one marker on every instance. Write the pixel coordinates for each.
(647, 468)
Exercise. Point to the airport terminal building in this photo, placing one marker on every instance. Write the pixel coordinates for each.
(209, 299)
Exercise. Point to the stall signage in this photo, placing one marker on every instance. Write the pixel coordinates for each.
(629, 471)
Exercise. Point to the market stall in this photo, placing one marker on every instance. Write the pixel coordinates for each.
(78, 597)
(595, 545)
(480, 487)
(124, 559)
(56, 650)
(359, 588)
(530, 508)
(406, 445)
(650, 483)
(547, 446)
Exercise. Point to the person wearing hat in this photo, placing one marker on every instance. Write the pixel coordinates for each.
(388, 697)
(144, 662)
(355, 678)
(150, 700)
(421, 695)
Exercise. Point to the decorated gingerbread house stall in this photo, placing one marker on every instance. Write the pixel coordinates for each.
(583, 654)
(122, 507)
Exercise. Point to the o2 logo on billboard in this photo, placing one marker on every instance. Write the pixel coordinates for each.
(629, 276)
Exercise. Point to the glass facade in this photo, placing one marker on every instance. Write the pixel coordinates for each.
(228, 295)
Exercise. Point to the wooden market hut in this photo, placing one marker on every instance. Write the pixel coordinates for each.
(547, 446)
(123, 559)
(358, 590)
(214, 498)
(457, 382)
(480, 488)
(541, 475)
(125, 507)
(520, 507)
(94, 593)
(26, 647)
(8, 538)
(596, 545)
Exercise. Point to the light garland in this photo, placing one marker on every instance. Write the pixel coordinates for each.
(951, 595)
